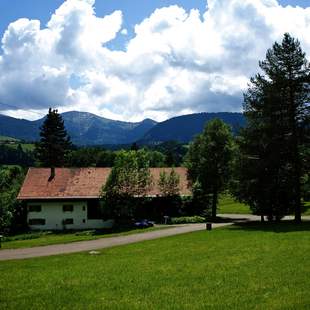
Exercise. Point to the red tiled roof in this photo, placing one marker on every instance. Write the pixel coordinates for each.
(81, 183)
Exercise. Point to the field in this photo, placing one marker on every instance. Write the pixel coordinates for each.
(13, 143)
(240, 267)
(33, 239)
(6, 139)
(307, 205)
(227, 205)
(27, 147)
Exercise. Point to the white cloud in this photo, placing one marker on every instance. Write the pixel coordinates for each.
(177, 62)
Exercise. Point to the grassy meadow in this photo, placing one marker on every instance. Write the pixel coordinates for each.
(33, 239)
(252, 266)
(228, 205)
(7, 139)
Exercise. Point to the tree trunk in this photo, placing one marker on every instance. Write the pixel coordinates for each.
(214, 203)
(297, 174)
(295, 155)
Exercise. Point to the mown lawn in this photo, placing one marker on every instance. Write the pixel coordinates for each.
(241, 267)
(33, 239)
(307, 205)
(227, 205)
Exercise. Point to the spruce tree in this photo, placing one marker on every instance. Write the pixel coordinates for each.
(54, 143)
(276, 106)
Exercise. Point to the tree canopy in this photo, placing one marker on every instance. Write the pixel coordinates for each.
(273, 145)
(11, 179)
(209, 161)
(169, 183)
(54, 143)
(130, 177)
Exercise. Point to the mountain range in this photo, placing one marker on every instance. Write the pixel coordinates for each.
(90, 129)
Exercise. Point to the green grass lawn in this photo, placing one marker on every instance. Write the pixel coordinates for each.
(5, 138)
(227, 205)
(307, 205)
(241, 267)
(33, 239)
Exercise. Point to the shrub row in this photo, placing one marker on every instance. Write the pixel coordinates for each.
(187, 219)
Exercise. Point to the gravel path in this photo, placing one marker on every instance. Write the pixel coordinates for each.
(90, 245)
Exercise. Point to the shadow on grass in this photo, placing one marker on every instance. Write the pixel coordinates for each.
(281, 227)
(222, 219)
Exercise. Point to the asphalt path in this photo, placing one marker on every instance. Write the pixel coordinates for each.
(92, 245)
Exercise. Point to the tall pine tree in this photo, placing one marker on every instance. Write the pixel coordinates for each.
(276, 106)
(54, 143)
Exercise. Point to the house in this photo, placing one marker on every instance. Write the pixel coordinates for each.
(68, 198)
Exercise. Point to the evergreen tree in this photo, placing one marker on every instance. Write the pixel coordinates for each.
(209, 161)
(54, 143)
(276, 106)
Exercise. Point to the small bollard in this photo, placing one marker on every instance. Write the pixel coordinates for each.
(209, 226)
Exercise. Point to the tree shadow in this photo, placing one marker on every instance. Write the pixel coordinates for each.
(281, 227)
(222, 219)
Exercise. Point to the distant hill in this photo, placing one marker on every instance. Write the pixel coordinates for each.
(84, 129)
(184, 128)
(19, 128)
(90, 129)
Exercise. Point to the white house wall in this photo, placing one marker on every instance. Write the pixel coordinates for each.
(53, 214)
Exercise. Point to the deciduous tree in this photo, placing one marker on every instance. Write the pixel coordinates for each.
(209, 161)
(129, 178)
(169, 183)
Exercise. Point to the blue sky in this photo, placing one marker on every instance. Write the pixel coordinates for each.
(89, 57)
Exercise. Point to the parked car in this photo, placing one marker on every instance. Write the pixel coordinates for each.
(144, 224)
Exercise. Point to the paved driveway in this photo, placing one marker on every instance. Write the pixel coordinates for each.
(82, 246)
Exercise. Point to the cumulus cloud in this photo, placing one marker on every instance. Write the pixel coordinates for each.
(176, 62)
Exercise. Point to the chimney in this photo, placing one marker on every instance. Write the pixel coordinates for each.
(52, 176)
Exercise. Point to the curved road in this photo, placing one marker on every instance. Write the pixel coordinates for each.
(90, 245)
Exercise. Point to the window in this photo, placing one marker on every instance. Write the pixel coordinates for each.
(68, 221)
(84, 208)
(36, 222)
(84, 221)
(67, 208)
(94, 210)
(34, 208)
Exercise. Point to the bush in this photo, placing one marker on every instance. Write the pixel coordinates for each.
(187, 219)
